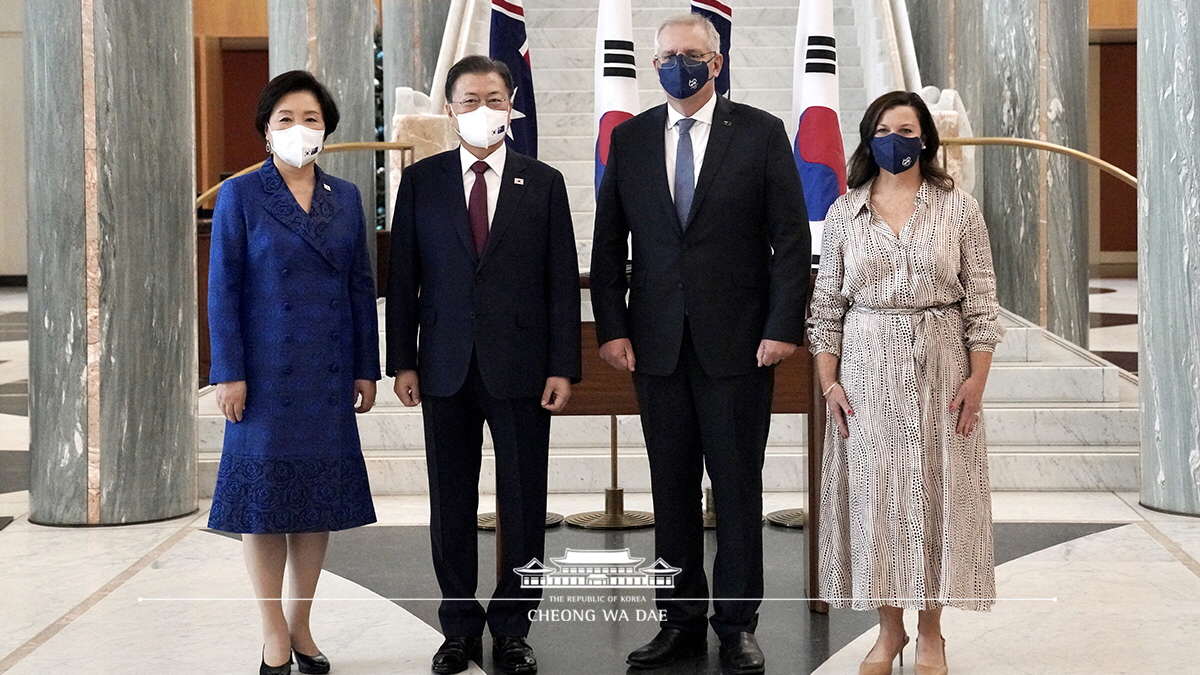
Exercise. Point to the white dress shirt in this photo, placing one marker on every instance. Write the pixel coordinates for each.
(491, 177)
(698, 134)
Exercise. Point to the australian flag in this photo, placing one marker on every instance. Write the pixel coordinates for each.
(721, 16)
(510, 45)
(820, 156)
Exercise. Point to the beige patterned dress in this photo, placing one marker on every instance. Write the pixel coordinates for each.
(905, 507)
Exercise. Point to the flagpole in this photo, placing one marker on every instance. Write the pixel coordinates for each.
(616, 101)
(821, 162)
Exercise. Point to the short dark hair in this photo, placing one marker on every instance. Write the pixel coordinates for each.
(291, 82)
(477, 65)
(862, 165)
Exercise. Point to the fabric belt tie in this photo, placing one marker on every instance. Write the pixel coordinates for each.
(927, 321)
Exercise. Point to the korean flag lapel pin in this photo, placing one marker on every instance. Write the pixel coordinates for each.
(326, 186)
(518, 181)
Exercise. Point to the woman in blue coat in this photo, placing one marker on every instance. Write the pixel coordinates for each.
(295, 354)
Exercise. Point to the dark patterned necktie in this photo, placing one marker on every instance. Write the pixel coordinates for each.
(685, 171)
(477, 208)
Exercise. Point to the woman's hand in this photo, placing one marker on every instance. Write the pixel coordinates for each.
(839, 406)
(231, 399)
(364, 395)
(969, 405)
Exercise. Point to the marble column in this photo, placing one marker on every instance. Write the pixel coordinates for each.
(412, 37)
(1168, 240)
(1021, 68)
(335, 41)
(112, 260)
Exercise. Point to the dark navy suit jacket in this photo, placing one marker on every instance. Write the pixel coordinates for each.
(516, 307)
(738, 273)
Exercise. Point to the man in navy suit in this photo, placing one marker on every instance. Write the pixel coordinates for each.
(709, 192)
(483, 262)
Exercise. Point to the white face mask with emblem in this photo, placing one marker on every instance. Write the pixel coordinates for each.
(297, 145)
(482, 127)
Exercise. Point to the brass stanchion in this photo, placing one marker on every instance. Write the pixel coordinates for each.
(487, 521)
(710, 510)
(788, 518)
(614, 516)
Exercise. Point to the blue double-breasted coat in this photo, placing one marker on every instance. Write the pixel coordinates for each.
(292, 312)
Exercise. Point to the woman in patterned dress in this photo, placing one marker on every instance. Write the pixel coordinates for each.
(903, 326)
(295, 353)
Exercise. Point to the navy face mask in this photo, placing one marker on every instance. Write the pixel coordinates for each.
(683, 81)
(895, 153)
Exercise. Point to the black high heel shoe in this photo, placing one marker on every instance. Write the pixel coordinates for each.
(264, 669)
(311, 665)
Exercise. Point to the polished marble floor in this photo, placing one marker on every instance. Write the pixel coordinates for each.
(1113, 317)
(1089, 582)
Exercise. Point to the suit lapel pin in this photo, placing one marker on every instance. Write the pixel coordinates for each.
(326, 186)
(518, 181)
(727, 123)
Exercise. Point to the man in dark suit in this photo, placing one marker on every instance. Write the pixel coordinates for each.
(483, 261)
(721, 247)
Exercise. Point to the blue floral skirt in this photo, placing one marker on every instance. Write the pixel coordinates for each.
(279, 495)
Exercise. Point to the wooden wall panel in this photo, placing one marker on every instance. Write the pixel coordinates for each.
(231, 18)
(210, 112)
(1112, 14)
(245, 75)
(1118, 144)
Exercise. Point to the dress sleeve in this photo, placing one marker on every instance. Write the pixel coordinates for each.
(226, 271)
(364, 311)
(982, 329)
(828, 304)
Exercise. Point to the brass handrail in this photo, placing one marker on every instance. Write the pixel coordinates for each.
(1104, 166)
(333, 147)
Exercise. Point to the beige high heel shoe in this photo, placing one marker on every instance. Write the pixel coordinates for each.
(883, 667)
(919, 669)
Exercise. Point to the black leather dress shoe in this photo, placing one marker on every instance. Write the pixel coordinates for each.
(456, 653)
(513, 656)
(670, 645)
(740, 655)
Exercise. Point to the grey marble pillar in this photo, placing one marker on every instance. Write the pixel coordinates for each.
(412, 37)
(112, 260)
(1168, 242)
(1021, 68)
(335, 41)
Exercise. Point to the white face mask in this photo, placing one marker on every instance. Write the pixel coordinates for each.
(482, 127)
(297, 145)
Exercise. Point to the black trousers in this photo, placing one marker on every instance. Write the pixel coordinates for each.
(691, 420)
(520, 430)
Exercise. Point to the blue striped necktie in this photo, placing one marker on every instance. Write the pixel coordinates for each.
(685, 171)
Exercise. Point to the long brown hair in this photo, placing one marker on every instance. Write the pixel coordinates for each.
(862, 166)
